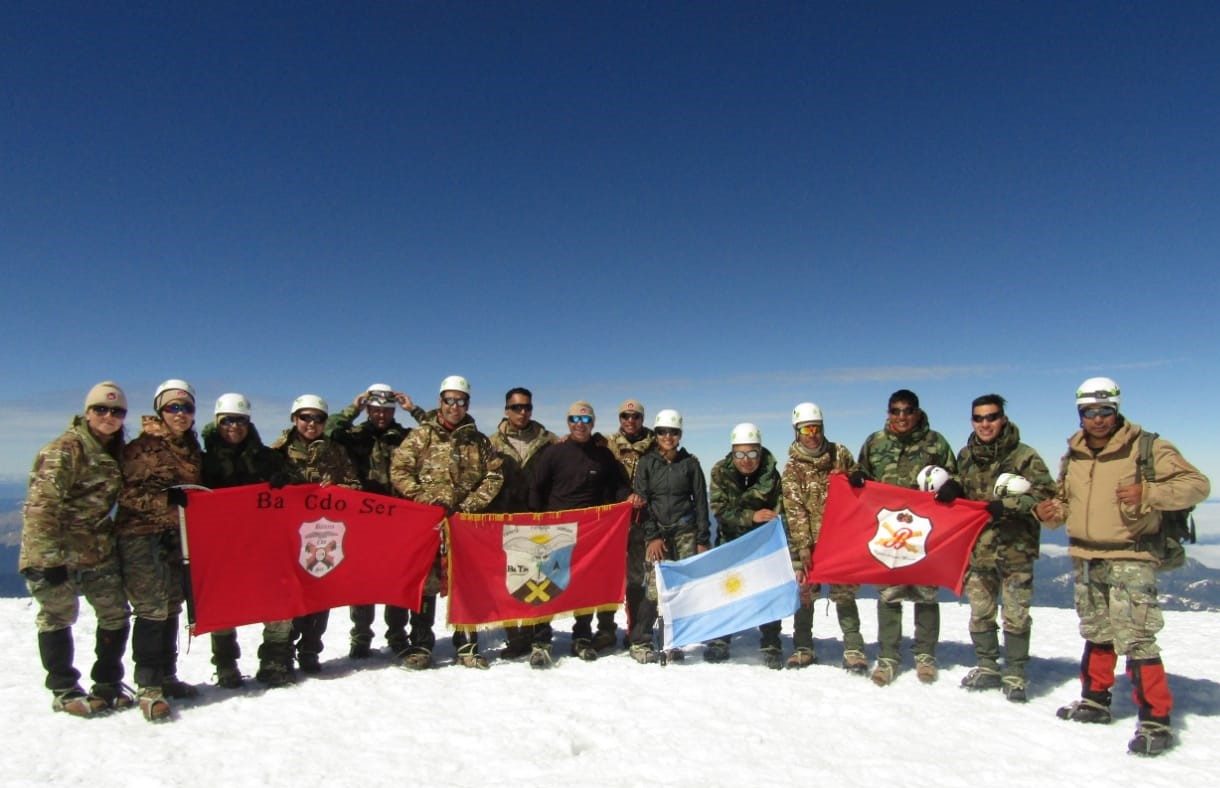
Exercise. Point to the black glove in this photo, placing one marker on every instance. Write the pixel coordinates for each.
(278, 480)
(996, 509)
(949, 492)
(176, 496)
(856, 479)
(52, 575)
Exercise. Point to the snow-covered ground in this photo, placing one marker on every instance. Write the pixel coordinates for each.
(614, 722)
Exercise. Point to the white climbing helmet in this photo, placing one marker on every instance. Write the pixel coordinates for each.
(380, 395)
(312, 401)
(233, 404)
(1010, 484)
(669, 418)
(806, 411)
(745, 433)
(931, 477)
(1097, 391)
(455, 383)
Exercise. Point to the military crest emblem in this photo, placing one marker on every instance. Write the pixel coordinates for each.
(321, 546)
(901, 538)
(538, 560)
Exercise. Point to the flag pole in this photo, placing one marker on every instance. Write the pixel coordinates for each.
(187, 589)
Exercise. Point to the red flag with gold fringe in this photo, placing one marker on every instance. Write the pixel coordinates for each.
(518, 569)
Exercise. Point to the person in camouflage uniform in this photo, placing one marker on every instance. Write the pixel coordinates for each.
(446, 462)
(632, 441)
(234, 455)
(811, 460)
(1111, 502)
(1002, 564)
(895, 455)
(670, 488)
(68, 549)
(312, 458)
(370, 445)
(165, 454)
(746, 493)
(519, 440)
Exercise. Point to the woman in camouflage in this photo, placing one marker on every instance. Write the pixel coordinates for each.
(166, 454)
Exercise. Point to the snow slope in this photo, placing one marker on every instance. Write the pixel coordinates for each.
(614, 722)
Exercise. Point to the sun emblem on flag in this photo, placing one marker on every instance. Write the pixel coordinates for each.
(733, 584)
(901, 538)
(538, 560)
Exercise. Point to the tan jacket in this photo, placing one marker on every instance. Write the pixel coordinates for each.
(1098, 525)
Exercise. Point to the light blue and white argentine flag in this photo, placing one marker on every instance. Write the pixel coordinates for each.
(738, 585)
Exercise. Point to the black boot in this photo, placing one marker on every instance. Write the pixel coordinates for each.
(57, 652)
(107, 672)
(146, 644)
(396, 628)
(275, 664)
(171, 684)
(225, 652)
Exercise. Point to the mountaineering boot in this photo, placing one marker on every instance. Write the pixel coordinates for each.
(848, 614)
(171, 685)
(645, 620)
(540, 656)
(607, 631)
(884, 673)
(927, 634)
(154, 706)
(1151, 739)
(855, 661)
(889, 629)
(773, 658)
(275, 664)
(584, 649)
(117, 696)
(225, 653)
(517, 643)
(979, 679)
(1016, 657)
(309, 629)
(1085, 710)
(396, 628)
(468, 656)
(802, 658)
(716, 650)
(987, 652)
(74, 701)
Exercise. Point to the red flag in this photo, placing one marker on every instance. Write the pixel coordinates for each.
(526, 568)
(258, 554)
(894, 536)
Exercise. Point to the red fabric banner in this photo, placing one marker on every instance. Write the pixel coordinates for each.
(890, 535)
(258, 554)
(526, 568)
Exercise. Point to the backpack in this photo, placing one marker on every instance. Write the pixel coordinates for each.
(1177, 526)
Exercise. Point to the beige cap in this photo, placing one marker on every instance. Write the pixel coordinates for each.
(581, 408)
(106, 393)
(631, 406)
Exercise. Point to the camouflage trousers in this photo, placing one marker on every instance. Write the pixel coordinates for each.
(102, 587)
(677, 547)
(891, 594)
(152, 574)
(1117, 603)
(1000, 584)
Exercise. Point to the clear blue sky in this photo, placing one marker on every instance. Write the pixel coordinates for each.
(725, 208)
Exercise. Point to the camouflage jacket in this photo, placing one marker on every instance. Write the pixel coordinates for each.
(628, 452)
(514, 496)
(73, 486)
(456, 469)
(152, 463)
(318, 462)
(1098, 525)
(232, 466)
(805, 484)
(369, 449)
(735, 498)
(675, 496)
(896, 459)
(1017, 533)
